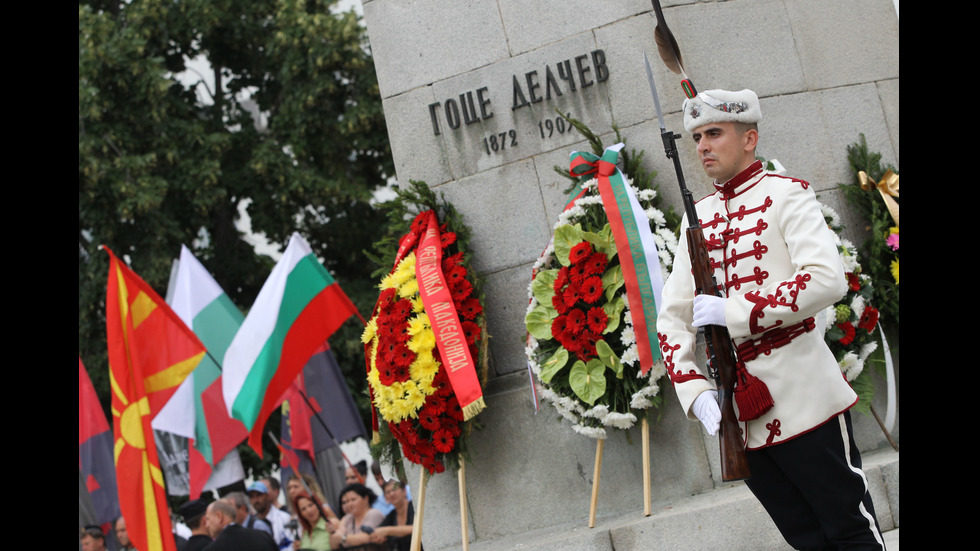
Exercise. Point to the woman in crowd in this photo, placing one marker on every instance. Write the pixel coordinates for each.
(396, 529)
(294, 487)
(359, 520)
(316, 529)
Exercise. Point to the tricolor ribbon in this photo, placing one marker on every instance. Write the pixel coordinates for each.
(438, 302)
(635, 247)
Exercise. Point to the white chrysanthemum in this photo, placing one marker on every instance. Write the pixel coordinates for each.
(867, 349)
(628, 337)
(656, 216)
(620, 420)
(595, 432)
(647, 194)
(851, 366)
(829, 212)
(631, 356)
(640, 402)
(598, 412)
(857, 306)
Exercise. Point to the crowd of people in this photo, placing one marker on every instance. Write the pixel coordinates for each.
(254, 519)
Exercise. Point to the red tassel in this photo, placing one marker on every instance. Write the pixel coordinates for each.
(751, 395)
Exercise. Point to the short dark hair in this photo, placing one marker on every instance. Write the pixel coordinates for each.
(361, 490)
(273, 483)
(93, 531)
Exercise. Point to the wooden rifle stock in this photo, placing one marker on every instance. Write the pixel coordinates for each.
(721, 355)
(721, 363)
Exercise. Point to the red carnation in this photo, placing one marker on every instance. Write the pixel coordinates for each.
(578, 272)
(591, 289)
(848, 330)
(429, 419)
(558, 302)
(869, 318)
(570, 296)
(575, 321)
(472, 331)
(443, 441)
(597, 319)
(558, 327)
(447, 239)
(580, 252)
(470, 308)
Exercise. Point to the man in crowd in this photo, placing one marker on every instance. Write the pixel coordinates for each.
(123, 536)
(264, 502)
(777, 266)
(244, 514)
(93, 539)
(231, 536)
(193, 513)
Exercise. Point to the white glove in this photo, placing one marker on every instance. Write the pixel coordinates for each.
(709, 310)
(706, 409)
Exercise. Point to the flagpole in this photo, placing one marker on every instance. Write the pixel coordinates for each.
(299, 475)
(330, 434)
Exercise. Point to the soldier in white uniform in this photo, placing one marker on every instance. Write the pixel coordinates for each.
(777, 266)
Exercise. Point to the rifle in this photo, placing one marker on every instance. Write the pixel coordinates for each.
(721, 354)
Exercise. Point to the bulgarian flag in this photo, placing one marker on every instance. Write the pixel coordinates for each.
(151, 352)
(298, 308)
(197, 410)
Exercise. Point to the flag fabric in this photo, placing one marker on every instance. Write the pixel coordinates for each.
(95, 451)
(298, 308)
(327, 397)
(197, 410)
(151, 351)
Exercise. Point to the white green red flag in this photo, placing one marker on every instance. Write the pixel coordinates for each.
(299, 307)
(197, 411)
(635, 247)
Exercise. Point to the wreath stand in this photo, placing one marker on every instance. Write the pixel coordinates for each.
(417, 524)
(645, 428)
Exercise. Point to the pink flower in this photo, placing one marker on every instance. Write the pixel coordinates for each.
(892, 241)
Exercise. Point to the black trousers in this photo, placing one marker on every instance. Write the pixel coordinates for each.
(815, 491)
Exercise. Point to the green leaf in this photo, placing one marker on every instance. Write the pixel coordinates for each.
(543, 286)
(538, 322)
(567, 237)
(609, 358)
(614, 311)
(612, 280)
(603, 241)
(588, 380)
(554, 364)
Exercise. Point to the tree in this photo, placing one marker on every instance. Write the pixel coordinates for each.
(161, 163)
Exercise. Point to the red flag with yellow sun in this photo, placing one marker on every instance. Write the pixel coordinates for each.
(150, 352)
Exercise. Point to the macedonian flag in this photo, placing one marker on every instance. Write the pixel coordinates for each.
(151, 351)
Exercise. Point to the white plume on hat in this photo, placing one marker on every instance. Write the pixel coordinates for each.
(721, 106)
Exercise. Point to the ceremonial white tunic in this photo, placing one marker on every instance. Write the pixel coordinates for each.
(778, 266)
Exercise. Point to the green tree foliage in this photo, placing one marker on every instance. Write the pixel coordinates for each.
(292, 131)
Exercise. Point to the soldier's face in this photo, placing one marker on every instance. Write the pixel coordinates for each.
(724, 150)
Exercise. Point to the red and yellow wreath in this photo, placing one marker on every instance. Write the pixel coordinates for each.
(425, 344)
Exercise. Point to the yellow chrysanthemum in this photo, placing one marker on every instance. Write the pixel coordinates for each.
(387, 282)
(369, 330)
(404, 271)
(409, 288)
(424, 370)
(417, 305)
(419, 324)
(895, 271)
(423, 341)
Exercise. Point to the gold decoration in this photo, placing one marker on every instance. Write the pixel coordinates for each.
(887, 187)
